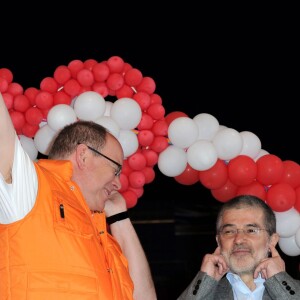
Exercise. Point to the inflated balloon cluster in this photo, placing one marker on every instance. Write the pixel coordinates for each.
(191, 150)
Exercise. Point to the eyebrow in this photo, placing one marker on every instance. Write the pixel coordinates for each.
(246, 225)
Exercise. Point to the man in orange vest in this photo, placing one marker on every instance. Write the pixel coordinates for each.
(54, 239)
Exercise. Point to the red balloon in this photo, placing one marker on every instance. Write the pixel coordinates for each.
(242, 170)
(21, 103)
(146, 122)
(89, 63)
(174, 115)
(31, 93)
(137, 161)
(160, 127)
(130, 198)
(145, 138)
(61, 97)
(124, 92)
(100, 71)
(143, 99)
(149, 174)
(291, 173)
(14, 89)
(151, 157)
(30, 130)
(62, 74)
(72, 87)
(146, 85)
(126, 168)
(49, 84)
(133, 77)
(114, 81)
(297, 202)
(18, 119)
(126, 67)
(281, 197)
(138, 191)
(160, 143)
(155, 98)
(226, 192)
(44, 100)
(269, 169)
(136, 179)
(85, 77)
(8, 100)
(156, 111)
(254, 188)
(100, 88)
(3, 85)
(115, 64)
(75, 66)
(215, 177)
(188, 177)
(6, 74)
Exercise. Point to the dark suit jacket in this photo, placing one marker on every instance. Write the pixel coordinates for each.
(203, 287)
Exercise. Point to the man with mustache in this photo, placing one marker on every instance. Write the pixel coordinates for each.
(246, 264)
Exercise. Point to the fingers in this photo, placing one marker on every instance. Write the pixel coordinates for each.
(274, 252)
(217, 251)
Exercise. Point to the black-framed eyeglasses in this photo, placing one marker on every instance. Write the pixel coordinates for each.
(119, 166)
(230, 232)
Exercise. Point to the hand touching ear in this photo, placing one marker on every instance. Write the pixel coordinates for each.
(271, 265)
(214, 264)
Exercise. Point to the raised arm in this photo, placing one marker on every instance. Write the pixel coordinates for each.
(7, 142)
(125, 234)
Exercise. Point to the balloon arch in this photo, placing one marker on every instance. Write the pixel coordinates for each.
(191, 150)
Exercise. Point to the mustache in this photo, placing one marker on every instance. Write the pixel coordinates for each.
(241, 247)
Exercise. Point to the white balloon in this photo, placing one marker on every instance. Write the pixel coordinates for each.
(126, 112)
(228, 143)
(288, 246)
(287, 222)
(183, 132)
(251, 144)
(89, 106)
(208, 126)
(172, 161)
(297, 237)
(29, 146)
(61, 115)
(261, 153)
(73, 102)
(129, 142)
(110, 124)
(108, 106)
(221, 127)
(202, 155)
(44, 138)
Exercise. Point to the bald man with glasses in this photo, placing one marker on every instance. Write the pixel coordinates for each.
(54, 239)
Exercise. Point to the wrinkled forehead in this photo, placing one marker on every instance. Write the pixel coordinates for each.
(242, 216)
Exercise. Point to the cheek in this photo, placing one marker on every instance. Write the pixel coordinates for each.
(225, 245)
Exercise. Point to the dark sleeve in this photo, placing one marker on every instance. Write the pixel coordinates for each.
(201, 287)
(283, 286)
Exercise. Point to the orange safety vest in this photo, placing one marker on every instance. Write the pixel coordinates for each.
(59, 250)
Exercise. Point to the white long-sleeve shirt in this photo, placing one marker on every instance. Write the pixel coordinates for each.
(18, 198)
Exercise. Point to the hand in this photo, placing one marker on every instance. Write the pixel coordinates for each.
(214, 264)
(271, 265)
(115, 204)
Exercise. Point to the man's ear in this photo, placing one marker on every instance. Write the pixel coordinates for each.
(217, 239)
(80, 156)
